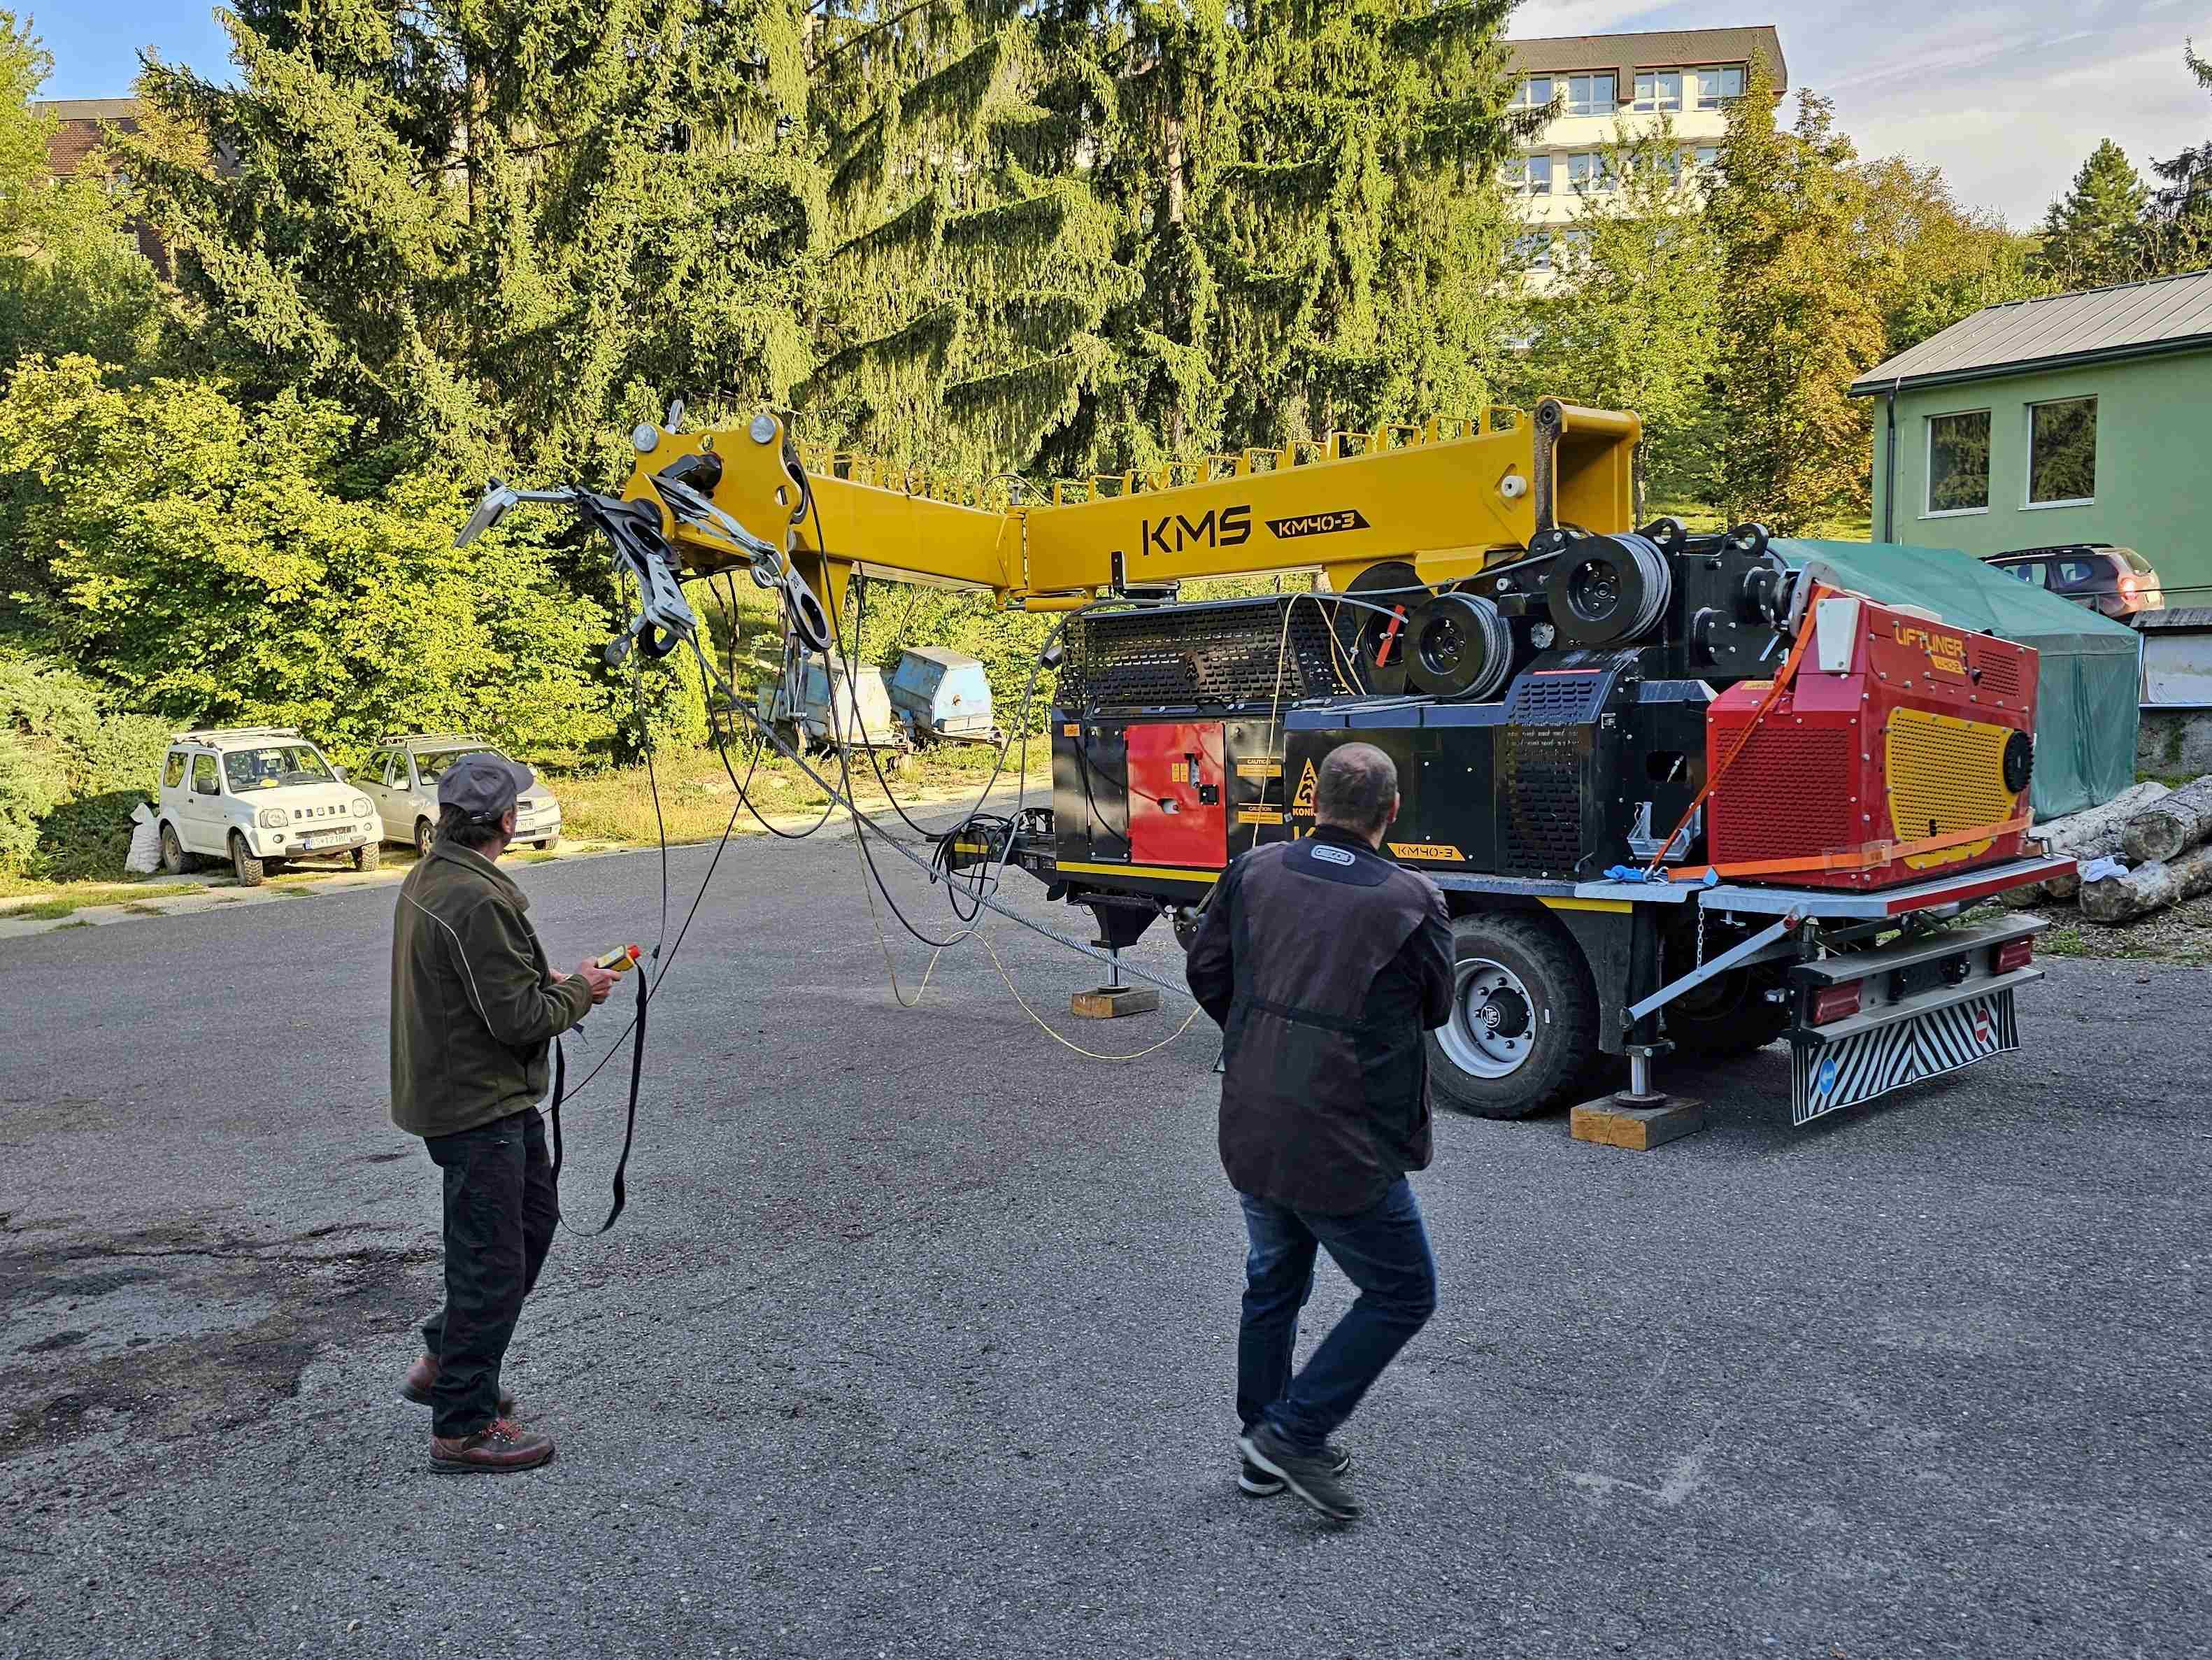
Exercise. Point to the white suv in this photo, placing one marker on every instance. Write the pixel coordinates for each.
(402, 778)
(259, 796)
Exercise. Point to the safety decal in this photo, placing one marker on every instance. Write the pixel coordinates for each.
(1309, 787)
(1258, 816)
(1442, 852)
(1258, 766)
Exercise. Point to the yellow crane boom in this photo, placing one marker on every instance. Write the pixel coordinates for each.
(1449, 497)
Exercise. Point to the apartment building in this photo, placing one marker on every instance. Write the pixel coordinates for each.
(1601, 83)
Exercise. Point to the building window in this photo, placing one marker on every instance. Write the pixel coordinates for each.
(1659, 90)
(1534, 250)
(1592, 94)
(2062, 453)
(1959, 463)
(1574, 248)
(1530, 175)
(1708, 158)
(1536, 92)
(1717, 86)
(1590, 170)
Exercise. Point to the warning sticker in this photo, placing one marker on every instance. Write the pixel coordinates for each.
(1258, 816)
(1071, 730)
(1437, 852)
(1309, 785)
(1258, 766)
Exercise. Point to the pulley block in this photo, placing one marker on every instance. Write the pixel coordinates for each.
(1462, 648)
(1608, 590)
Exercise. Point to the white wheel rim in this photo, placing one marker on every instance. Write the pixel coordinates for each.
(1471, 1038)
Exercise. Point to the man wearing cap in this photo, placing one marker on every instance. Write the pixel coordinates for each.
(475, 1008)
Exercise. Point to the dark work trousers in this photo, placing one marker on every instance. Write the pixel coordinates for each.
(501, 1209)
(1384, 1251)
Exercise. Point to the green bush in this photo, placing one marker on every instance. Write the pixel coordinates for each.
(71, 771)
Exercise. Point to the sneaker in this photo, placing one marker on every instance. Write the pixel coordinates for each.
(1260, 1485)
(501, 1445)
(423, 1377)
(1314, 1477)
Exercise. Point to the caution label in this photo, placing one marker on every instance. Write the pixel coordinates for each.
(1441, 853)
(1258, 816)
(1258, 766)
(1308, 788)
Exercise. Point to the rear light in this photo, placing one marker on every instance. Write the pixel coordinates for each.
(1833, 1003)
(2014, 954)
(2131, 584)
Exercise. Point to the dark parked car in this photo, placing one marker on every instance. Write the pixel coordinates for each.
(2118, 581)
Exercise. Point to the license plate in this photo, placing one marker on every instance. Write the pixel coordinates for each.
(1826, 1077)
(310, 840)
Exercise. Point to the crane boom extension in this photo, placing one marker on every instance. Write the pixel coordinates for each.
(1449, 502)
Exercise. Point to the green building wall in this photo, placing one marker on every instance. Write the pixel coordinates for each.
(2154, 466)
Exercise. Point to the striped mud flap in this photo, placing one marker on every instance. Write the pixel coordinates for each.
(1830, 1073)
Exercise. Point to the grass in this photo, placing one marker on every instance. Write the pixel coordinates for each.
(696, 795)
(45, 901)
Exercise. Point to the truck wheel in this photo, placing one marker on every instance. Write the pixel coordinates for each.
(368, 858)
(1523, 1026)
(248, 869)
(425, 834)
(548, 844)
(174, 859)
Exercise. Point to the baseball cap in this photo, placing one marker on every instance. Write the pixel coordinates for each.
(484, 786)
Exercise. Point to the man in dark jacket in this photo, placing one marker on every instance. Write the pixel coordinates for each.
(475, 1008)
(1324, 963)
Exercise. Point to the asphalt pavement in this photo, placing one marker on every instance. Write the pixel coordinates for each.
(917, 1337)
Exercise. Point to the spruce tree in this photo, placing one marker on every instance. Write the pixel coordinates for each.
(500, 230)
(2094, 234)
(1355, 231)
(2178, 233)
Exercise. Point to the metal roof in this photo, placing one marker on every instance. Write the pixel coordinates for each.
(1651, 49)
(943, 655)
(2134, 319)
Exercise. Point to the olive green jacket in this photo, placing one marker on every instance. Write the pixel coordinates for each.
(474, 1004)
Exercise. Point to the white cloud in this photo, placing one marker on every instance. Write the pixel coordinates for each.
(2008, 99)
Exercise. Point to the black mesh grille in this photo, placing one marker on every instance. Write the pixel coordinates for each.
(1540, 798)
(1225, 653)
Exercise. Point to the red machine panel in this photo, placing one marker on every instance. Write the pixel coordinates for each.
(1895, 731)
(1177, 815)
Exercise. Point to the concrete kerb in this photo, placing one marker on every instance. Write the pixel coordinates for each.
(224, 891)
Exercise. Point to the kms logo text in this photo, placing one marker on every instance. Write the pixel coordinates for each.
(1230, 528)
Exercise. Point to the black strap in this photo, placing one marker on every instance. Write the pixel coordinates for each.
(630, 1129)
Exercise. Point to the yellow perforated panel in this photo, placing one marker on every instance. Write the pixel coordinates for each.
(1945, 775)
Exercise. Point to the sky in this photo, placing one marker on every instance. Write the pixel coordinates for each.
(2008, 99)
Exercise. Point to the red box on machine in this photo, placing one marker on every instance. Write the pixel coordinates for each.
(1899, 749)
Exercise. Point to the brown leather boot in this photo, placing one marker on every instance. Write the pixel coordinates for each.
(423, 1377)
(501, 1445)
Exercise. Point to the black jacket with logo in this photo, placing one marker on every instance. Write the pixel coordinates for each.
(1324, 963)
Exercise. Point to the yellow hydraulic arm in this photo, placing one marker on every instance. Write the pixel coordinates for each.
(1447, 497)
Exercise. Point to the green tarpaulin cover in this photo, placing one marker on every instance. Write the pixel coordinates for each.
(2087, 686)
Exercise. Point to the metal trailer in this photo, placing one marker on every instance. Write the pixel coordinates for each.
(826, 709)
(944, 694)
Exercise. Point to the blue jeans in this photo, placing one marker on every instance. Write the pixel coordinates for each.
(1384, 1251)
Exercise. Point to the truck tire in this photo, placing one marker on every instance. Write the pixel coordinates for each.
(368, 858)
(1523, 1026)
(248, 869)
(174, 859)
(548, 844)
